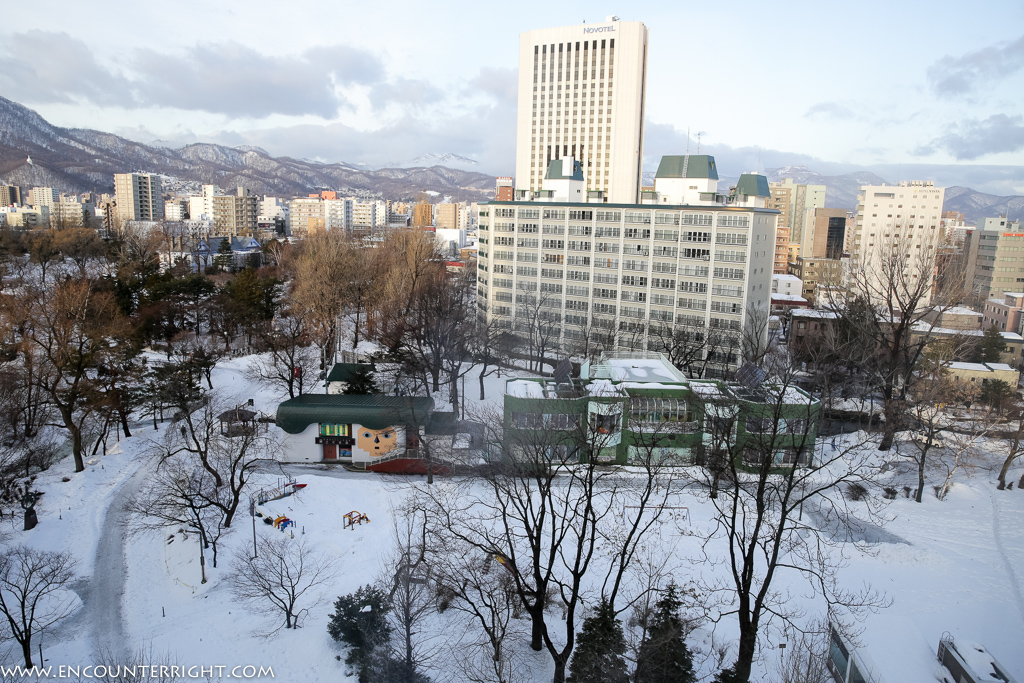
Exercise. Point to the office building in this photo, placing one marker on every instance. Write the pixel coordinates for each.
(449, 216)
(581, 94)
(504, 189)
(138, 197)
(897, 222)
(422, 215)
(995, 259)
(800, 198)
(824, 233)
(627, 275)
(10, 194)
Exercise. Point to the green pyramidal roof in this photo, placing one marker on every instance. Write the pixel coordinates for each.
(688, 166)
(375, 411)
(753, 185)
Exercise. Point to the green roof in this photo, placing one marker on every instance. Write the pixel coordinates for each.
(556, 170)
(753, 185)
(375, 411)
(345, 372)
(688, 166)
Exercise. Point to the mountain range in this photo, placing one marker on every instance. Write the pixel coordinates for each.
(35, 153)
(78, 160)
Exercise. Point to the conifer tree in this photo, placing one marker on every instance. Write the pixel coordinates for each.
(663, 656)
(598, 654)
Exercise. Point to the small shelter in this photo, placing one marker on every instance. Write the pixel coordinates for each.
(237, 422)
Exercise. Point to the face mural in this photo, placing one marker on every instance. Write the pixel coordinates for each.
(377, 442)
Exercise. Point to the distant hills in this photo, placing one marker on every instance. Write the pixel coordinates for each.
(78, 160)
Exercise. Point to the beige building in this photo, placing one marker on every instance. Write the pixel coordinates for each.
(581, 95)
(70, 213)
(10, 194)
(138, 196)
(981, 374)
(815, 274)
(955, 318)
(44, 196)
(1004, 313)
(449, 216)
(235, 214)
(801, 199)
(824, 233)
(995, 258)
(781, 200)
(305, 216)
(897, 221)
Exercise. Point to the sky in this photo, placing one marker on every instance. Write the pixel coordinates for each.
(900, 87)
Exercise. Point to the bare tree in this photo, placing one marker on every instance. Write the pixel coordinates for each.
(544, 511)
(32, 592)
(761, 473)
(1014, 447)
(287, 357)
(804, 659)
(281, 579)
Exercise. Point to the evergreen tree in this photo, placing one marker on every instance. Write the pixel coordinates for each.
(992, 345)
(361, 381)
(360, 621)
(663, 656)
(599, 649)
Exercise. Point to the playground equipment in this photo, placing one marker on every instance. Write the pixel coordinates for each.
(355, 517)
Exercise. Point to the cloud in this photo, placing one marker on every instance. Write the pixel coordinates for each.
(952, 76)
(832, 110)
(42, 67)
(972, 138)
(500, 84)
(237, 81)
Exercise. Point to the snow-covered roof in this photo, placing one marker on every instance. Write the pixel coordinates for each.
(1000, 366)
(892, 648)
(524, 388)
(814, 313)
(796, 298)
(636, 370)
(604, 387)
(961, 310)
(974, 367)
(784, 277)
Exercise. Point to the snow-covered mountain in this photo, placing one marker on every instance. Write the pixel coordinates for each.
(76, 160)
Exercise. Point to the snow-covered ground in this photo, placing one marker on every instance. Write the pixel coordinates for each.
(952, 566)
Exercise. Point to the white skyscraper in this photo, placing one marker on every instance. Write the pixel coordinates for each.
(581, 95)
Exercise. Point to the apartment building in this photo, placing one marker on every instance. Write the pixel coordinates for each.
(781, 250)
(139, 196)
(995, 258)
(10, 194)
(448, 215)
(1005, 313)
(630, 273)
(801, 197)
(897, 222)
(235, 214)
(504, 189)
(581, 94)
(305, 216)
(44, 196)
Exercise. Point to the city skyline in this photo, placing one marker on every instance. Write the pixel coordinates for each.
(883, 85)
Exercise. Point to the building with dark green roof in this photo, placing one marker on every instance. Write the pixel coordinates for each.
(357, 430)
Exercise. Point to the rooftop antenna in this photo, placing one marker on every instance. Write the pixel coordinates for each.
(759, 160)
(699, 133)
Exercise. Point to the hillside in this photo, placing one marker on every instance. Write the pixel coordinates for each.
(78, 160)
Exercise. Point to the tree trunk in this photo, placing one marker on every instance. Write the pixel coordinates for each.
(26, 650)
(559, 676)
(537, 619)
(920, 477)
(482, 382)
(123, 415)
(745, 657)
(76, 448)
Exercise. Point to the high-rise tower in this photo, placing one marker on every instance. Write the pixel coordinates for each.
(581, 95)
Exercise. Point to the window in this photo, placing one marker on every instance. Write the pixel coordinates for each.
(581, 215)
(638, 217)
(609, 216)
(335, 429)
(733, 221)
(701, 219)
(691, 236)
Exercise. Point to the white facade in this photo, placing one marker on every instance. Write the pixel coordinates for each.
(788, 285)
(338, 214)
(581, 94)
(43, 196)
(632, 271)
(904, 217)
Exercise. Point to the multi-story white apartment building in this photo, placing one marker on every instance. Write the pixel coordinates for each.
(44, 196)
(897, 221)
(581, 94)
(305, 216)
(139, 196)
(632, 273)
